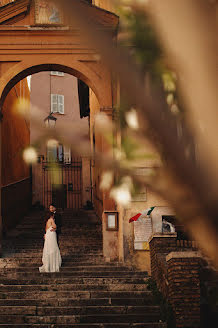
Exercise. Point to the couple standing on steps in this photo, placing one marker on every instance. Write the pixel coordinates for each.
(51, 257)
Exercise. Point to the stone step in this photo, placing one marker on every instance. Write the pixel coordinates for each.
(47, 295)
(62, 244)
(63, 248)
(70, 274)
(111, 267)
(71, 281)
(31, 261)
(64, 302)
(64, 253)
(36, 263)
(79, 310)
(73, 287)
(72, 319)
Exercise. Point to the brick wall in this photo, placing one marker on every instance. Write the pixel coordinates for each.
(177, 276)
(184, 287)
(160, 246)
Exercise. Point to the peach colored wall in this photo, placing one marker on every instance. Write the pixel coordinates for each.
(42, 85)
(96, 172)
(15, 174)
(15, 137)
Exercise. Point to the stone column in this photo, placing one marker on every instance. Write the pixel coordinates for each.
(184, 287)
(110, 238)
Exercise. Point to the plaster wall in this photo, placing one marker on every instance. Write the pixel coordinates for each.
(15, 136)
(15, 173)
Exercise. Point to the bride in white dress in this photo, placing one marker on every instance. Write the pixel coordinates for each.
(51, 258)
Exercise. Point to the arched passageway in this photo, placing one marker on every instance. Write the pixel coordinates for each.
(26, 48)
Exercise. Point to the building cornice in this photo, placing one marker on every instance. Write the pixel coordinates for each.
(13, 9)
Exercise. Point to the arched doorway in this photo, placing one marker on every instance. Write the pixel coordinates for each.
(27, 47)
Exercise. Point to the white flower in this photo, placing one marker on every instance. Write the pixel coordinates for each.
(30, 155)
(132, 119)
(122, 193)
(106, 180)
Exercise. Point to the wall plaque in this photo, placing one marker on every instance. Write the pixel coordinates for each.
(47, 12)
(142, 233)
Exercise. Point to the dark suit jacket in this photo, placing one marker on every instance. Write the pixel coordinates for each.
(58, 222)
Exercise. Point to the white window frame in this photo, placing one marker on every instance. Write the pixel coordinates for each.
(57, 103)
(67, 155)
(57, 73)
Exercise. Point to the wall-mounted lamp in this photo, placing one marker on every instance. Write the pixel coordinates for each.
(50, 121)
(111, 221)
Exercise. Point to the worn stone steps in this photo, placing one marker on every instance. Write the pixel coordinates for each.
(72, 319)
(87, 292)
(36, 263)
(81, 268)
(45, 279)
(66, 255)
(70, 274)
(79, 310)
(63, 302)
(45, 294)
(73, 287)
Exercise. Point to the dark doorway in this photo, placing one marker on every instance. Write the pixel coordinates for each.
(59, 195)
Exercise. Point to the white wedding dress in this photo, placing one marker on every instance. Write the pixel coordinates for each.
(51, 257)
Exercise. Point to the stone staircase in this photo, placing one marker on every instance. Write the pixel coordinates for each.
(88, 292)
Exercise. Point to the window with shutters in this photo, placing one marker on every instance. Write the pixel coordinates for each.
(59, 153)
(52, 153)
(67, 155)
(57, 103)
(56, 73)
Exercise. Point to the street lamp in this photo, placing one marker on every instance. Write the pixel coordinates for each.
(50, 121)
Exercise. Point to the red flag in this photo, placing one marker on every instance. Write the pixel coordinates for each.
(135, 218)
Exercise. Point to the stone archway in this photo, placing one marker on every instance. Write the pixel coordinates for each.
(27, 48)
(99, 83)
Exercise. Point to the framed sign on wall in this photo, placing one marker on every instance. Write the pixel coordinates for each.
(111, 221)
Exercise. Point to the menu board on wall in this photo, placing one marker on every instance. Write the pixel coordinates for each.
(142, 233)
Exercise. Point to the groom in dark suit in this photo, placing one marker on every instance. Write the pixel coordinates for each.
(57, 219)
